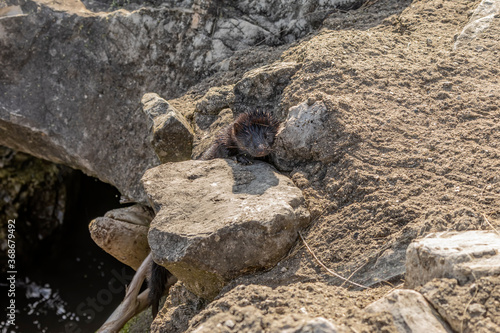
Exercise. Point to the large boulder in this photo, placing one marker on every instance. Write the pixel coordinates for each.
(218, 219)
(72, 79)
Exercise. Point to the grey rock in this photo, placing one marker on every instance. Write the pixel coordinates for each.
(217, 220)
(464, 256)
(172, 136)
(136, 214)
(215, 100)
(261, 88)
(480, 20)
(316, 325)
(123, 234)
(11, 11)
(180, 306)
(389, 266)
(303, 128)
(72, 79)
(473, 307)
(411, 312)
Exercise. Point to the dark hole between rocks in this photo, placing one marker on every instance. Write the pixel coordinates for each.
(67, 283)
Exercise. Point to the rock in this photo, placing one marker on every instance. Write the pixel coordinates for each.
(474, 307)
(389, 266)
(464, 256)
(218, 220)
(480, 20)
(11, 11)
(411, 312)
(262, 87)
(172, 137)
(136, 214)
(123, 234)
(181, 305)
(72, 79)
(215, 100)
(316, 325)
(303, 128)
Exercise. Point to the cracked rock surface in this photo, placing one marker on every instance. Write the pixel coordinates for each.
(217, 220)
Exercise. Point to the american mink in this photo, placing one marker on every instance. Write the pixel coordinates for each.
(160, 279)
(251, 135)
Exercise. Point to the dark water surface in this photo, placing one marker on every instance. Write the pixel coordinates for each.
(70, 285)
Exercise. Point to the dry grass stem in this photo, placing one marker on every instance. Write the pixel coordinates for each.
(326, 268)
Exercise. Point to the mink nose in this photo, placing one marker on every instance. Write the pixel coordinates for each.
(261, 150)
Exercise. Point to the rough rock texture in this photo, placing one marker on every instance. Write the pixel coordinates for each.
(411, 145)
(123, 234)
(472, 308)
(483, 15)
(135, 214)
(209, 210)
(261, 88)
(300, 139)
(71, 79)
(215, 100)
(292, 308)
(181, 305)
(172, 136)
(411, 312)
(464, 256)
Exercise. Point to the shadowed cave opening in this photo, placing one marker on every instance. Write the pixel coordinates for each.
(64, 282)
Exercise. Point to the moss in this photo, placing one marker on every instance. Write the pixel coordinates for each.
(139, 324)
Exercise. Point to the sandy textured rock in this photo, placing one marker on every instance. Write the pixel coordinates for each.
(485, 13)
(172, 136)
(216, 99)
(217, 220)
(136, 214)
(72, 78)
(180, 306)
(302, 130)
(123, 234)
(411, 312)
(261, 88)
(472, 308)
(316, 325)
(464, 256)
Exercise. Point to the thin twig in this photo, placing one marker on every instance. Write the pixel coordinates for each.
(355, 271)
(327, 269)
(394, 288)
(492, 227)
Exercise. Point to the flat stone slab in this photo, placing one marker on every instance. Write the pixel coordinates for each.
(411, 312)
(217, 220)
(464, 256)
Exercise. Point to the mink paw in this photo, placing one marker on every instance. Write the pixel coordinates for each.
(243, 159)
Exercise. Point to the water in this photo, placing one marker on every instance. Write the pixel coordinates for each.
(71, 285)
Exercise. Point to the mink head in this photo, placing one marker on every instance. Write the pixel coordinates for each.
(255, 132)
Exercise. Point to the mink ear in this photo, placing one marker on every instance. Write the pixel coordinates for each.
(237, 127)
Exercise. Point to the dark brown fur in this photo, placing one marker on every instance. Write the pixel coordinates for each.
(251, 135)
